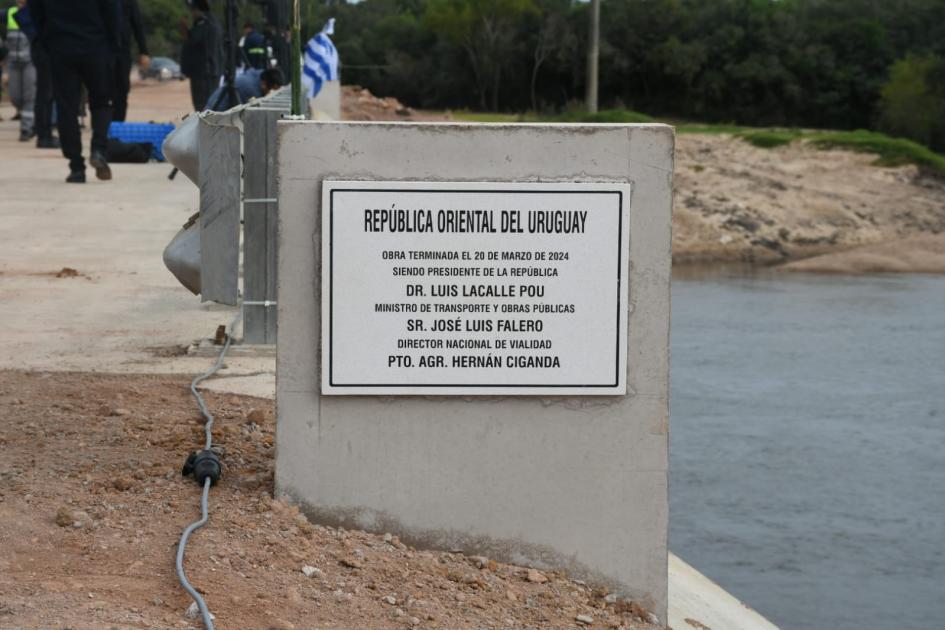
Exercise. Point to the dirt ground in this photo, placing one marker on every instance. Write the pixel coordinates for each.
(358, 103)
(92, 503)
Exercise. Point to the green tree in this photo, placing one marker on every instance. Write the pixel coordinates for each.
(160, 20)
(814, 63)
(913, 101)
(486, 30)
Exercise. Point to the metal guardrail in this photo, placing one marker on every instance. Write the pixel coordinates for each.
(230, 155)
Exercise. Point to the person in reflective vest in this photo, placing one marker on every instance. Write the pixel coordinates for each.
(43, 102)
(255, 51)
(22, 81)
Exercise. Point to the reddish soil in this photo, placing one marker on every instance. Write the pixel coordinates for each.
(357, 103)
(92, 504)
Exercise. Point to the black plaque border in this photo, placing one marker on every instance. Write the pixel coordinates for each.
(331, 294)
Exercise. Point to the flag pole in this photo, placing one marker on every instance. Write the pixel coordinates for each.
(593, 51)
(296, 59)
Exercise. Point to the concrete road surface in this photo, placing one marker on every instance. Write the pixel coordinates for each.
(121, 310)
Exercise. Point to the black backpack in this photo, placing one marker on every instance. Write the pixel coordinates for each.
(128, 152)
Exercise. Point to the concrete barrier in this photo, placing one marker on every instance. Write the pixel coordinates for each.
(577, 483)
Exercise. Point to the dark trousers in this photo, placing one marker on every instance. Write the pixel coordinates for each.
(200, 90)
(70, 72)
(121, 85)
(44, 93)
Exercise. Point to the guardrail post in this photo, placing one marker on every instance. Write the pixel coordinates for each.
(219, 212)
(259, 225)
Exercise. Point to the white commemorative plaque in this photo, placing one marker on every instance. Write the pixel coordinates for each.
(466, 288)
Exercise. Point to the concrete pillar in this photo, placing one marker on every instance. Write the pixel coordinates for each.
(577, 483)
(327, 103)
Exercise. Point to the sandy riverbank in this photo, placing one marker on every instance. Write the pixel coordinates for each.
(739, 203)
(917, 254)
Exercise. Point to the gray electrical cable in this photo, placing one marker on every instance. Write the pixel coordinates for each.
(204, 508)
(202, 605)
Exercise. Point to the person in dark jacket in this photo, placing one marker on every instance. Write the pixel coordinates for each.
(202, 57)
(130, 26)
(280, 49)
(82, 38)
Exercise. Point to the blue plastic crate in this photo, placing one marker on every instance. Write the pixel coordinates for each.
(142, 132)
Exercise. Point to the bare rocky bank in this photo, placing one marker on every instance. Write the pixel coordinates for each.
(738, 203)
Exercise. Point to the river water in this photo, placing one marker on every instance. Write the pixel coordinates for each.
(808, 445)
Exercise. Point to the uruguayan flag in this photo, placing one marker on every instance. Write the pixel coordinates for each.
(320, 61)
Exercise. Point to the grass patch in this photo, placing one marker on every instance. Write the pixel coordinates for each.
(571, 116)
(889, 151)
(607, 116)
(769, 138)
(704, 129)
(464, 115)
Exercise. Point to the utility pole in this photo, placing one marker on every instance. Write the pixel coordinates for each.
(296, 60)
(593, 51)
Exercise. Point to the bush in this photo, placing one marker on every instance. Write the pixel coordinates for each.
(890, 151)
(912, 105)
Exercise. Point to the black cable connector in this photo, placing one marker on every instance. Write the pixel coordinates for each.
(203, 464)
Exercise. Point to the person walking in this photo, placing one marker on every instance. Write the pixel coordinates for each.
(43, 104)
(130, 27)
(82, 39)
(44, 97)
(22, 73)
(202, 56)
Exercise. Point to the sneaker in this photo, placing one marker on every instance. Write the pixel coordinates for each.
(26, 136)
(47, 143)
(76, 177)
(100, 164)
